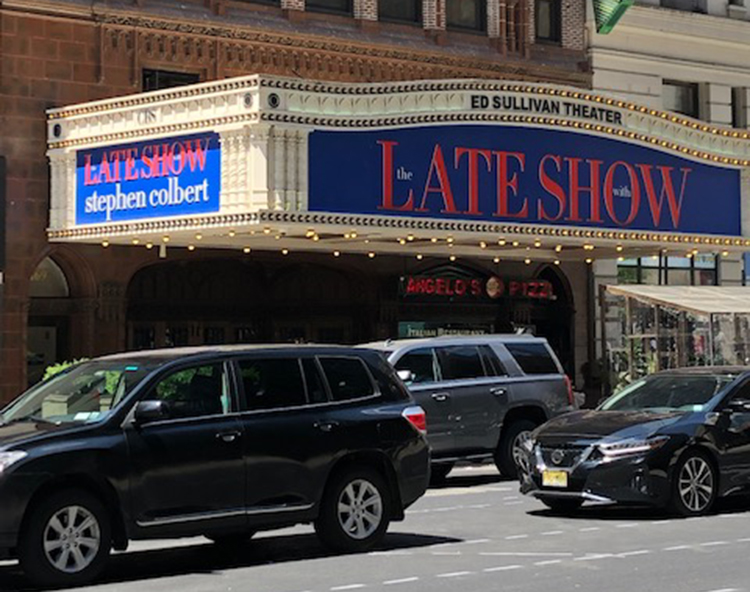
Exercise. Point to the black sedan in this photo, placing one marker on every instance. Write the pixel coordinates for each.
(677, 439)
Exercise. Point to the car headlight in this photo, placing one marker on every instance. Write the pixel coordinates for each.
(621, 448)
(11, 457)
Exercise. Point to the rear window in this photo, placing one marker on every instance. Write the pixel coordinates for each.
(533, 358)
(348, 378)
(272, 383)
(460, 362)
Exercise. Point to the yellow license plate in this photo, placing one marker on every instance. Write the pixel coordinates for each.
(554, 479)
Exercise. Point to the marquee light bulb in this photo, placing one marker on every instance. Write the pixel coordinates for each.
(191, 247)
(336, 253)
(516, 243)
(246, 250)
(434, 239)
(449, 240)
(371, 255)
(452, 257)
(198, 236)
(558, 248)
(589, 261)
(232, 233)
(496, 259)
(136, 241)
(482, 245)
(149, 245)
(537, 244)
(501, 242)
(284, 251)
(618, 248)
(557, 262)
(266, 230)
(527, 261)
(419, 257)
(401, 241)
(410, 237)
(165, 239)
(105, 243)
(725, 253)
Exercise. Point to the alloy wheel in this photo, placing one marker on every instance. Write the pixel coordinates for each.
(520, 456)
(696, 484)
(72, 539)
(360, 509)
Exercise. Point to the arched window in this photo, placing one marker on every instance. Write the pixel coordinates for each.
(48, 281)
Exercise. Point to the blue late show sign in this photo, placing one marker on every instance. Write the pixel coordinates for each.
(517, 174)
(168, 177)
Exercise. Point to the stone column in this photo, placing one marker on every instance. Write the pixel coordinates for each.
(718, 104)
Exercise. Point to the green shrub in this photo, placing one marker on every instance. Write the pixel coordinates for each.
(50, 371)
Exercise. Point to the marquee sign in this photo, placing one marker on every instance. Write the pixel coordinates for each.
(520, 174)
(460, 286)
(157, 178)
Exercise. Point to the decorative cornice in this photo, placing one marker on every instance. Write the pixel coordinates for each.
(306, 219)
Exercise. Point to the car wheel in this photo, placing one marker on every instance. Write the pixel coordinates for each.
(510, 451)
(694, 484)
(355, 511)
(231, 540)
(562, 506)
(66, 540)
(438, 473)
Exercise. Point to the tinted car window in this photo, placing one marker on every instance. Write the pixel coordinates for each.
(272, 383)
(195, 391)
(460, 362)
(347, 378)
(492, 364)
(316, 391)
(421, 363)
(533, 358)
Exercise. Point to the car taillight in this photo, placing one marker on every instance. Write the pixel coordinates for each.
(416, 416)
(569, 385)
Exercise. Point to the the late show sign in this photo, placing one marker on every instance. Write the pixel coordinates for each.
(166, 177)
(518, 174)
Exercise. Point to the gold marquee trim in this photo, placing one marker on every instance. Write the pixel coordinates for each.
(365, 222)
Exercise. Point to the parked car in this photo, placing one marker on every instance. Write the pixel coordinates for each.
(677, 439)
(483, 395)
(220, 442)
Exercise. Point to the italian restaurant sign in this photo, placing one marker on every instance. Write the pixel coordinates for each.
(518, 174)
(458, 287)
(168, 177)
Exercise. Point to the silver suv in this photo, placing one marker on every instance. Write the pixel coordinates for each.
(483, 395)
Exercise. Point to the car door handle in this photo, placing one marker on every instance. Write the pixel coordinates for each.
(499, 391)
(326, 426)
(228, 436)
(440, 397)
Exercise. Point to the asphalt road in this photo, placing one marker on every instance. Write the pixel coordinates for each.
(476, 533)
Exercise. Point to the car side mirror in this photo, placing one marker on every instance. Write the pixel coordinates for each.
(146, 411)
(406, 375)
(738, 406)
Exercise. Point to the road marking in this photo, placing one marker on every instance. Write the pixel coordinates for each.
(478, 506)
(677, 548)
(388, 553)
(548, 562)
(593, 557)
(589, 529)
(510, 497)
(509, 554)
(401, 581)
(516, 537)
(714, 544)
(502, 568)
(633, 553)
(512, 503)
(552, 532)
(743, 540)
(444, 553)
(627, 525)
(454, 574)
(726, 590)
(348, 587)
(659, 522)
(476, 541)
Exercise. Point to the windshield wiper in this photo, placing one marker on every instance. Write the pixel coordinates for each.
(34, 418)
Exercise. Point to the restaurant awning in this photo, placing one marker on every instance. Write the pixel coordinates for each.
(700, 300)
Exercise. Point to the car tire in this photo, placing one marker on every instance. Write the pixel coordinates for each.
(510, 439)
(231, 540)
(438, 473)
(66, 540)
(355, 511)
(562, 506)
(694, 484)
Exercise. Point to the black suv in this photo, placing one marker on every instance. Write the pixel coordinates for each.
(220, 442)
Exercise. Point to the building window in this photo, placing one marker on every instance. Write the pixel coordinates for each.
(681, 97)
(400, 11)
(161, 79)
(468, 15)
(699, 270)
(739, 107)
(335, 6)
(548, 20)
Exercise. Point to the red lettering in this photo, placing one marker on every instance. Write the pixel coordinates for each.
(514, 287)
(130, 172)
(551, 187)
(473, 154)
(177, 157)
(635, 199)
(504, 184)
(674, 204)
(196, 156)
(437, 164)
(476, 287)
(460, 287)
(388, 174)
(104, 169)
(88, 179)
(575, 189)
(429, 286)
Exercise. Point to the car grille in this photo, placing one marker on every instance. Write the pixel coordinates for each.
(562, 456)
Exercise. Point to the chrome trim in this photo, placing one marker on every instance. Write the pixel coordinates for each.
(222, 514)
(584, 495)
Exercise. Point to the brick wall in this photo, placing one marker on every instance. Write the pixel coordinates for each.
(433, 15)
(573, 24)
(293, 4)
(366, 10)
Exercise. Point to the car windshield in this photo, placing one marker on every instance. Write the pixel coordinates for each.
(668, 393)
(87, 392)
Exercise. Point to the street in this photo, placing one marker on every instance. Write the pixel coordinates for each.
(476, 533)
